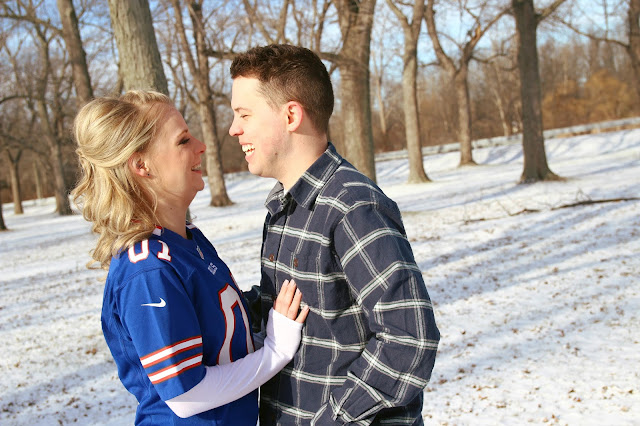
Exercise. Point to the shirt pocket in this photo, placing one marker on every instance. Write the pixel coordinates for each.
(319, 277)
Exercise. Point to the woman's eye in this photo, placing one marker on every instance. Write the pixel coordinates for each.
(183, 141)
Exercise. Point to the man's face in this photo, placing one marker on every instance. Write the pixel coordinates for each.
(261, 129)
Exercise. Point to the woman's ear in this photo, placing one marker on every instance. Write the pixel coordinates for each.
(137, 165)
(294, 113)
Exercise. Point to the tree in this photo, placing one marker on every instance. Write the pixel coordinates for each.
(205, 102)
(14, 160)
(139, 57)
(411, 29)
(458, 70)
(77, 56)
(356, 20)
(502, 86)
(3, 226)
(527, 19)
(44, 87)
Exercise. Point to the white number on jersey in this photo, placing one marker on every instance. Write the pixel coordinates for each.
(229, 299)
(144, 252)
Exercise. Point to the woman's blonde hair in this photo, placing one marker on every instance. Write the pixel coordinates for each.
(108, 131)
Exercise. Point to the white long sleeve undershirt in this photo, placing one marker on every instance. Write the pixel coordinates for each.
(225, 383)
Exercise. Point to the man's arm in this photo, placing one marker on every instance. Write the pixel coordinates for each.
(397, 362)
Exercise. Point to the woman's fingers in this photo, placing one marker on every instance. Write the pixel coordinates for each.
(288, 302)
(303, 314)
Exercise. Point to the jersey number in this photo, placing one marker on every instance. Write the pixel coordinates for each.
(229, 299)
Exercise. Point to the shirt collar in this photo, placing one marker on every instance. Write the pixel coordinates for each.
(306, 189)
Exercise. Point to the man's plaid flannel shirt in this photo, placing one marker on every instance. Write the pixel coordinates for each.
(369, 343)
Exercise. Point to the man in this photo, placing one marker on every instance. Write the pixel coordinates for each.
(369, 343)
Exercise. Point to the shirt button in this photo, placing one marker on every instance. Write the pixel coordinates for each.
(271, 257)
(295, 263)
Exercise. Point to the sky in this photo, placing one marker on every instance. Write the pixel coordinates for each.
(535, 290)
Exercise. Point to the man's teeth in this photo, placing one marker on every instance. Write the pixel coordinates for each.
(247, 148)
(197, 168)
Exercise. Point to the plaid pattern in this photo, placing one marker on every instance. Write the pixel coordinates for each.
(369, 343)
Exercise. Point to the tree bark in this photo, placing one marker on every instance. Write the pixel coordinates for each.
(73, 41)
(205, 102)
(140, 62)
(411, 31)
(37, 180)
(382, 112)
(458, 76)
(460, 82)
(535, 167)
(15, 181)
(633, 48)
(3, 227)
(63, 205)
(356, 21)
(458, 73)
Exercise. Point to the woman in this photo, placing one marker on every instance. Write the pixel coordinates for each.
(173, 317)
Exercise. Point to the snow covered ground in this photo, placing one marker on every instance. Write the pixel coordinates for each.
(538, 305)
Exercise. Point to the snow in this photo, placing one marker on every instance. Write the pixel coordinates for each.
(537, 304)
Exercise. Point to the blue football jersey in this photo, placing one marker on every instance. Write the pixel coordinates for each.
(171, 307)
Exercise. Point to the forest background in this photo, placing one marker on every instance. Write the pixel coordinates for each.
(406, 74)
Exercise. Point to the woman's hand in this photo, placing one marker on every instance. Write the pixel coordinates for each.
(288, 302)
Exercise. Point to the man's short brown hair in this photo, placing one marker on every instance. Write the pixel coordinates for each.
(289, 73)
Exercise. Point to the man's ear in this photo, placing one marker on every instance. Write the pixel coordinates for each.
(294, 113)
(137, 165)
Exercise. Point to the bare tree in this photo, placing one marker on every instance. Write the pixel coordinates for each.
(11, 133)
(527, 19)
(501, 78)
(45, 91)
(14, 160)
(140, 62)
(205, 102)
(51, 119)
(458, 71)
(411, 29)
(3, 226)
(77, 56)
(356, 20)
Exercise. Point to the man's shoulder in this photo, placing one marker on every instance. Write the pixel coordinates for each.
(351, 187)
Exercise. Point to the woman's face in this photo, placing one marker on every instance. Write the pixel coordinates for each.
(174, 160)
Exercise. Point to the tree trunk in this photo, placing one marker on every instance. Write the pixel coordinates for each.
(535, 158)
(382, 114)
(633, 49)
(356, 21)
(409, 89)
(72, 40)
(15, 182)
(3, 227)
(411, 116)
(464, 115)
(37, 180)
(63, 205)
(140, 62)
(496, 88)
(215, 173)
